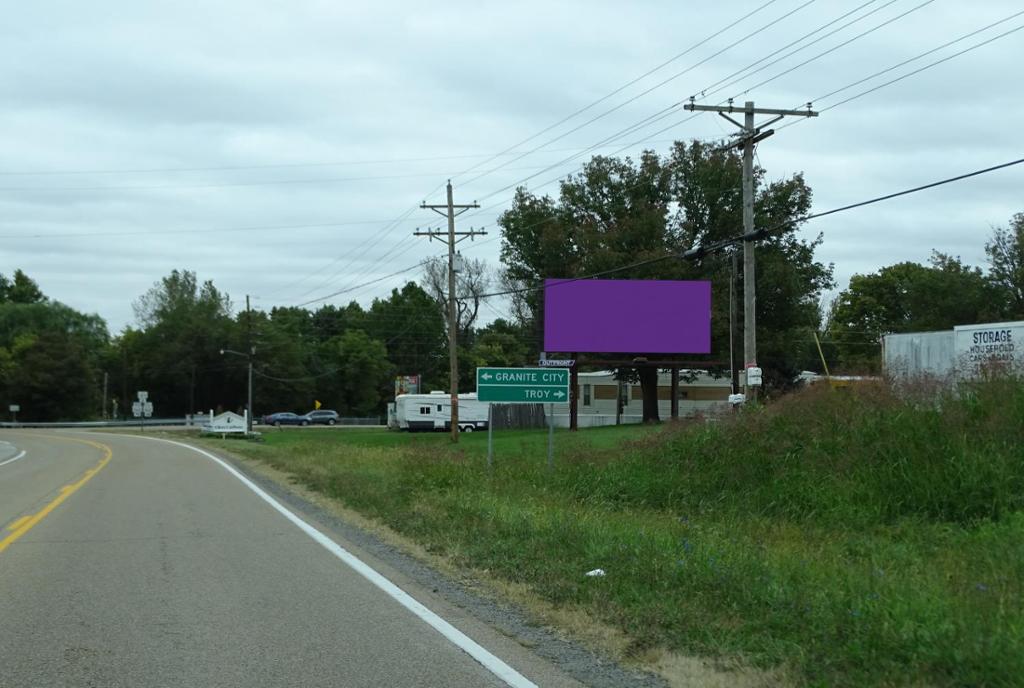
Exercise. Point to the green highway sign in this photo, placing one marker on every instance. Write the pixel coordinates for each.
(522, 385)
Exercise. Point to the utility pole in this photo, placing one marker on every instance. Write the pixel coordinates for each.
(252, 351)
(103, 409)
(734, 374)
(749, 135)
(451, 237)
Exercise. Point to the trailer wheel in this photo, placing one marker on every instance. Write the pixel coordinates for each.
(467, 428)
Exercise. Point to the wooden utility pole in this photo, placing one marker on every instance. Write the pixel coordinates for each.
(749, 135)
(451, 237)
(734, 373)
(251, 352)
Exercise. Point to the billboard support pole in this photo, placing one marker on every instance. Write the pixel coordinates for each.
(618, 402)
(675, 392)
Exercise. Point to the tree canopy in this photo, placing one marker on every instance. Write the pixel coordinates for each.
(618, 212)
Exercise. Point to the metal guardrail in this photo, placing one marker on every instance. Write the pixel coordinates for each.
(99, 423)
(196, 422)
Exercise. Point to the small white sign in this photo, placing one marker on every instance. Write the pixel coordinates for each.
(143, 396)
(227, 422)
(147, 408)
(137, 408)
(737, 399)
(754, 377)
(14, 408)
(557, 362)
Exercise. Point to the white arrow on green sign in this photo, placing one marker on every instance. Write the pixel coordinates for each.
(522, 385)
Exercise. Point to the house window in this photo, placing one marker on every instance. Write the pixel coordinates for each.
(439, 407)
(424, 410)
(586, 395)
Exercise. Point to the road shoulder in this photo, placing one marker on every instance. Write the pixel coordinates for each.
(485, 610)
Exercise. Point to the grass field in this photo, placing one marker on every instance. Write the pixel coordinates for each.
(849, 537)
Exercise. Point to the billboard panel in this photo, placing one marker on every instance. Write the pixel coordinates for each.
(627, 316)
(407, 384)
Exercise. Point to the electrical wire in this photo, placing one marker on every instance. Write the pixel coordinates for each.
(648, 90)
(620, 88)
(668, 111)
(700, 251)
(833, 48)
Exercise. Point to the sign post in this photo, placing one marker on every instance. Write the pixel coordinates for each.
(143, 408)
(490, 435)
(14, 408)
(523, 386)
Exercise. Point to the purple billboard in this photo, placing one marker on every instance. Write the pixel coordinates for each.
(634, 316)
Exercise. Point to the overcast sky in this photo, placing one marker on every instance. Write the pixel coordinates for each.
(281, 148)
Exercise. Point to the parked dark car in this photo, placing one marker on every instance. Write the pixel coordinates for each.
(322, 417)
(285, 418)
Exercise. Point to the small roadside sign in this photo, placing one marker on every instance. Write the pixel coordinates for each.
(14, 408)
(143, 396)
(522, 385)
(147, 409)
(754, 376)
(556, 362)
(137, 408)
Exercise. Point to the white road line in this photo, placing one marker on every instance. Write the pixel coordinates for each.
(4, 463)
(460, 639)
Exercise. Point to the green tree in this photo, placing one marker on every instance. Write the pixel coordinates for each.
(502, 344)
(50, 354)
(175, 355)
(906, 297)
(360, 376)
(412, 327)
(1006, 266)
(617, 212)
(20, 289)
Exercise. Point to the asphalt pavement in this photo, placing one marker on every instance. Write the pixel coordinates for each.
(133, 562)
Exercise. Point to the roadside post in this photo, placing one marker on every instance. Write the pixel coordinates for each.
(551, 437)
(490, 436)
(141, 409)
(522, 386)
(14, 408)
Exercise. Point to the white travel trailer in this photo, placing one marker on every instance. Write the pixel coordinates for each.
(428, 412)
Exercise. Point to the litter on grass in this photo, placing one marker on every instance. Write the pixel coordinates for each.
(596, 573)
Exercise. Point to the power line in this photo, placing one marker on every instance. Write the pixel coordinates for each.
(620, 88)
(658, 116)
(919, 56)
(646, 91)
(222, 185)
(928, 66)
(221, 230)
(700, 251)
(707, 91)
(359, 286)
(834, 48)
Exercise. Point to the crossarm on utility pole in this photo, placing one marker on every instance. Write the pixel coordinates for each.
(749, 134)
(451, 237)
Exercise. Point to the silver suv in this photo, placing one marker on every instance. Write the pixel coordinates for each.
(321, 417)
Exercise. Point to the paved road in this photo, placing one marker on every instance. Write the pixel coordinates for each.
(131, 562)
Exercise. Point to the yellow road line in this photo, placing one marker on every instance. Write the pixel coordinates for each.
(26, 523)
(17, 523)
